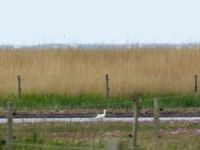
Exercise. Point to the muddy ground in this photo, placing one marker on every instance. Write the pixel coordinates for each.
(55, 113)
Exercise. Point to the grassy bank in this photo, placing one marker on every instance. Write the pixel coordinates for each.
(73, 72)
(97, 101)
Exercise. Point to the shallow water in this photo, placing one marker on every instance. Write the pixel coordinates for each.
(128, 119)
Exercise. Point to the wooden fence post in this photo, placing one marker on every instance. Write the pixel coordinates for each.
(9, 125)
(19, 86)
(135, 121)
(107, 88)
(195, 85)
(156, 123)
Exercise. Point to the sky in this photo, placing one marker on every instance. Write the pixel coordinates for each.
(99, 21)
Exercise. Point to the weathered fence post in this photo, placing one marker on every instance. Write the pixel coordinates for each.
(19, 86)
(9, 125)
(195, 85)
(107, 88)
(135, 121)
(156, 123)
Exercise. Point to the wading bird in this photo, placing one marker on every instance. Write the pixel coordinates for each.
(101, 116)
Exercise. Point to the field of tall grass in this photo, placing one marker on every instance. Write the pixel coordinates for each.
(74, 72)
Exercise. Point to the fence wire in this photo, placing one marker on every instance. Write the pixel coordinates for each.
(71, 134)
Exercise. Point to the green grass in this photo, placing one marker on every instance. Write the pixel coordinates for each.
(172, 101)
(55, 100)
(96, 101)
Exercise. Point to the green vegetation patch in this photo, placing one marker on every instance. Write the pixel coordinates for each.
(97, 101)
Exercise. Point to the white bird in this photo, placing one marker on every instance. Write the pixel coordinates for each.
(101, 116)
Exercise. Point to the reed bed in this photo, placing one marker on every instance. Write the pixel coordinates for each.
(73, 72)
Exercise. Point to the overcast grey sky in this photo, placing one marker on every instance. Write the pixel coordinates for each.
(99, 21)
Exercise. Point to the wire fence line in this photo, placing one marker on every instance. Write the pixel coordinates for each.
(33, 133)
(126, 106)
(107, 87)
(89, 110)
(72, 131)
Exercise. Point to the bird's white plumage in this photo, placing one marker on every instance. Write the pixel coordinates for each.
(101, 116)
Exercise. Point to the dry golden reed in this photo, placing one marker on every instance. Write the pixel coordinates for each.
(82, 71)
